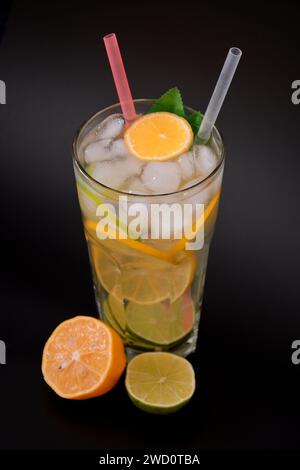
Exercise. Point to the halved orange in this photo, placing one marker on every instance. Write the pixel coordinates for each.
(83, 358)
(159, 136)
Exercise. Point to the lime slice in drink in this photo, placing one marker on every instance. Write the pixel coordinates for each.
(163, 323)
(87, 201)
(109, 319)
(117, 310)
(138, 344)
(115, 315)
(131, 341)
(159, 382)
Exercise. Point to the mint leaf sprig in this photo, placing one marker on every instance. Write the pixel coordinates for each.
(171, 102)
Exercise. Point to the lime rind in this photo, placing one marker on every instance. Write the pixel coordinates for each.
(109, 319)
(117, 310)
(97, 201)
(138, 344)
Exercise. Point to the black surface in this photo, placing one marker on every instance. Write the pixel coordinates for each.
(4, 12)
(56, 72)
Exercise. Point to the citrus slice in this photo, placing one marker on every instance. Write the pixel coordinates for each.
(128, 245)
(114, 315)
(144, 281)
(87, 203)
(137, 248)
(83, 358)
(162, 323)
(117, 310)
(138, 344)
(108, 271)
(110, 320)
(159, 136)
(203, 219)
(160, 382)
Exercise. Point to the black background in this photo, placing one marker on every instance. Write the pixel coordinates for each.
(56, 72)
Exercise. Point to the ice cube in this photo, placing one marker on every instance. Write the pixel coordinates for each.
(187, 166)
(161, 177)
(136, 166)
(98, 151)
(119, 148)
(105, 149)
(105, 173)
(205, 159)
(111, 127)
(112, 173)
(135, 186)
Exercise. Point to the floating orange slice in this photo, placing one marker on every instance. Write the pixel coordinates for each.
(159, 136)
(83, 358)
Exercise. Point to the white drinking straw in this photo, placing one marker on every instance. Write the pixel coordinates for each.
(219, 93)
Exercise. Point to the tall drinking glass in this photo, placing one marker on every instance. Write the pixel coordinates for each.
(149, 290)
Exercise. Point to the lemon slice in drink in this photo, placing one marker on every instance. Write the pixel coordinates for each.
(162, 324)
(159, 382)
(143, 281)
(108, 271)
(146, 282)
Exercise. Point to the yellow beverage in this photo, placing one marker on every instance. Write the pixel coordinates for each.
(148, 288)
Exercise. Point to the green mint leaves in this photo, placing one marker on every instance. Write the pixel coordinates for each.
(171, 102)
(195, 121)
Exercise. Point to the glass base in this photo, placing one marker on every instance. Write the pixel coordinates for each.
(182, 348)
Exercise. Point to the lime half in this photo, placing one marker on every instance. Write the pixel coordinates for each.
(160, 382)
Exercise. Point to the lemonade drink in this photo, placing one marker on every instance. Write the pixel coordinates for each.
(148, 286)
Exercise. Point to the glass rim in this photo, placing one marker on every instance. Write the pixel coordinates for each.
(136, 195)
